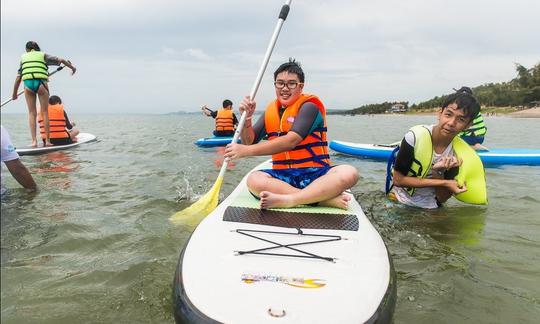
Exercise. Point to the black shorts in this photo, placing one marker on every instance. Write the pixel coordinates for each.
(61, 141)
(224, 133)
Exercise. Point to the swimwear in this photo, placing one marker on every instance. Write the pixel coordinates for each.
(33, 84)
(299, 177)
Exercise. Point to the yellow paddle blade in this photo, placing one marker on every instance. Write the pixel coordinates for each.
(201, 208)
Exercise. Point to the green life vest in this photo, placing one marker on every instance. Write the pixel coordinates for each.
(33, 66)
(471, 172)
(478, 127)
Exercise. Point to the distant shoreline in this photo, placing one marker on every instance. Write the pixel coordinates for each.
(486, 111)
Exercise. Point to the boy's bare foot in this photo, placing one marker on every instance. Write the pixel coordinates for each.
(49, 144)
(341, 201)
(272, 200)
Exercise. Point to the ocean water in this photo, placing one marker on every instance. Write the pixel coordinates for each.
(95, 243)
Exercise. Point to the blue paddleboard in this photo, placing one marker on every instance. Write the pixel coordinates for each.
(214, 141)
(497, 156)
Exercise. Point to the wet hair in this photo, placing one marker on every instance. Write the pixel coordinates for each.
(227, 103)
(292, 67)
(31, 45)
(465, 100)
(54, 100)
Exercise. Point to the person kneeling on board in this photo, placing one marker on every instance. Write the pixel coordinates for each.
(295, 124)
(433, 162)
(62, 131)
(226, 120)
(17, 169)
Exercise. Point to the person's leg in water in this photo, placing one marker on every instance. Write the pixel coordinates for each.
(327, 190)
(32, 113)
(43, 94)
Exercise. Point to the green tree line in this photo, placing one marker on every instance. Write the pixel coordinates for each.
(523, 90)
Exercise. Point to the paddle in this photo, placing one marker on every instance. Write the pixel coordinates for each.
(207, 203)
(22, 91)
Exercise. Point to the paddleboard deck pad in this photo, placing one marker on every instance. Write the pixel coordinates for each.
(497, 156)
(296, 265)
(81, 139)
(214, 141)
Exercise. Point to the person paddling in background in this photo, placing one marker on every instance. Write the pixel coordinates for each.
(295, 124)
(475, 133)
(33, 71)
(62, 131)
(11, 159)
(226, 120)
(430, 158)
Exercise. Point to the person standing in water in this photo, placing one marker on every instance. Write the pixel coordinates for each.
(226, 120)
(10, 158)
(475, 134)
(431, 157)
(33, 72)
(295, 125)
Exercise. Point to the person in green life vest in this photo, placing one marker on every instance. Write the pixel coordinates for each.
(474, 134)
(433, 163)
(33, 72)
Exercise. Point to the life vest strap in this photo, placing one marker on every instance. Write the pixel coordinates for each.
(317, 158)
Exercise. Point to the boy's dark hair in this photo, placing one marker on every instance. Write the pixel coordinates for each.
(465, 101)
(31, 45)
(54, 100)
(227, 103)
(292, 67)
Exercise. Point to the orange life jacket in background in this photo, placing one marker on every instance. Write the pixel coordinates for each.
(224, 120)
(57, 122)
(312, 151)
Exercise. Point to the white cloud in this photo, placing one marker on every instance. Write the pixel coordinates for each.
(353, 52)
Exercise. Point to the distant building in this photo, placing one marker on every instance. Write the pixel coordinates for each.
(398, 108)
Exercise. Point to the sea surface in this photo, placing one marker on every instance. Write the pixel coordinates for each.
(95, 243)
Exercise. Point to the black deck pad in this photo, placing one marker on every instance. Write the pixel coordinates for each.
(290, 219)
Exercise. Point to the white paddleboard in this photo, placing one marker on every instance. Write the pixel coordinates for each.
(229, 272)
(81, 139)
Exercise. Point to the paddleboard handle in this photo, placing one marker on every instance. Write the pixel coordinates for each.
(276, 313)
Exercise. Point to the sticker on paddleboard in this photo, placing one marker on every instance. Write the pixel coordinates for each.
(294, 282)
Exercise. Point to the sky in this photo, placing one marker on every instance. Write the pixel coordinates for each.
(161, 56)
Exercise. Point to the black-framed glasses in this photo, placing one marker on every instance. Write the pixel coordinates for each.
(290, 84)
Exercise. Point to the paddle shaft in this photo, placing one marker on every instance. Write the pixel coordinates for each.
(22, 91)
(282, 16)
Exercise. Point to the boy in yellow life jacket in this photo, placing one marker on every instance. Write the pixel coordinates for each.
(226, 120)
(295, 125)
(434, 163)
(33, 72)
(62, 130)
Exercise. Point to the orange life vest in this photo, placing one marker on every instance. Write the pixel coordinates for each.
(312, 151)
(224, 120)
(57, 122)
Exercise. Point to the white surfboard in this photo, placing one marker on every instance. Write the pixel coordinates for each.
(81, 139)
(247, 265)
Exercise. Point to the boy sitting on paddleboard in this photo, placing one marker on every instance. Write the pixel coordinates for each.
(295, 125)
(434, 163)
(62, 131)
(226, 120)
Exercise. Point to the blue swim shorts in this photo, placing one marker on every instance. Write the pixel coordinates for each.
(33, 84)
(298, 178)
(471, 140)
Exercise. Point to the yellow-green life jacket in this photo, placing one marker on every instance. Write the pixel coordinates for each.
(33, 66)
(471, 172)
(477, 128)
